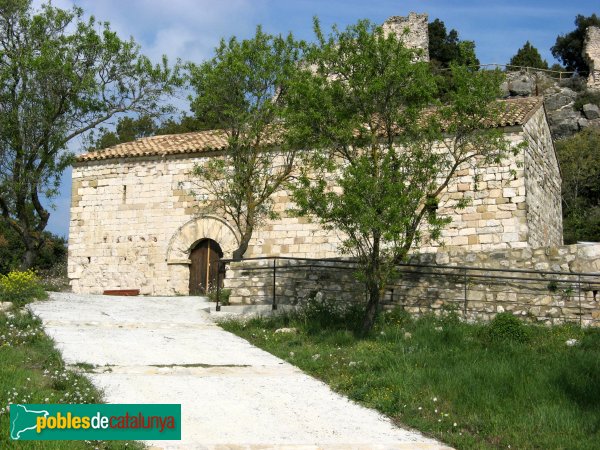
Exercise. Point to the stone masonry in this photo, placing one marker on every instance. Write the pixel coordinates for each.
(476, 294)
(413, 30)
(134, 219)
(592, 54)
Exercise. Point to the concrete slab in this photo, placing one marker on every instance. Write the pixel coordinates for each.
(233, 395)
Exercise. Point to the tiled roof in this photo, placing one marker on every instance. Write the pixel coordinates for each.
(516, 112)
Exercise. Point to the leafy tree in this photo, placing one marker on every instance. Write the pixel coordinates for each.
(528, 56)
(381, 161)
(579, 158)
(53, 251)
(60, 76)
(242, 91)
(446, 47)
(129, 129)
(568, 48)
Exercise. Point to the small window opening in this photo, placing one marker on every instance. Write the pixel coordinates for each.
(124, 193)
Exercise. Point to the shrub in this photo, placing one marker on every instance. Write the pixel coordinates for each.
(397, 316)
(583, 98)
(21, 287)
(319, 312)
(507, 328)
(224, 295)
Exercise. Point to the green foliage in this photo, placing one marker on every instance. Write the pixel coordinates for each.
(320, 312)
(581, 372)
(528, 56)
(585, 97)
(32, 371)
(224, 295)
(129, 129)
(397, 317)
(366, 107)
(446, 48)
(441, 376)
(568, 48)
(579, 159)
(21, 288)
(506, 327)
(52, 252)
(243, 90)
(60, 77)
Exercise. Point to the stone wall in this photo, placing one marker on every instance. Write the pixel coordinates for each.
(135, 220)
(476, 294)
(542, 185)
(591, 52)
(413, 30)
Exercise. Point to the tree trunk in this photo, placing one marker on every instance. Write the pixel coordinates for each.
(28, 259)
(372, 307)
(241, 250)
(374, 281)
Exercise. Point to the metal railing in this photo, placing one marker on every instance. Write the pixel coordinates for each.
(421, 287)
(560, 74)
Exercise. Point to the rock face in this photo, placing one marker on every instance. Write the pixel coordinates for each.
(560, 94)
(521, 85)
(591, 111)
(413, 30)
(591, 52)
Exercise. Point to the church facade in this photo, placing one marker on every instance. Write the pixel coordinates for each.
(135, 223)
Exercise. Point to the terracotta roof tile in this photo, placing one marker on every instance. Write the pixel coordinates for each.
(516, 112)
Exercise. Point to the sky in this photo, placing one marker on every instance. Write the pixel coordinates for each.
(191, 29)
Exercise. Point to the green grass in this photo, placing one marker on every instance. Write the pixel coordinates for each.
(32, 371)
(469, 385)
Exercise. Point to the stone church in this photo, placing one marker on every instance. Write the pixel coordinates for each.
(135, 224)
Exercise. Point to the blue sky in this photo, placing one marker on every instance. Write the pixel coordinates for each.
(190, 29)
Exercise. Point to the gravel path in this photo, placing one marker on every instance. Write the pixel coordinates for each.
(232, 394)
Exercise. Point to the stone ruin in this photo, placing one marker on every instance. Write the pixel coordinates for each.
(591, 52)
(413, 31)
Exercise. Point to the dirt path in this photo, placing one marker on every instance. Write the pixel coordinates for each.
(232, 394)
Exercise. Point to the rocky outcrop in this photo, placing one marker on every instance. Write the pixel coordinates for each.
(560, 96)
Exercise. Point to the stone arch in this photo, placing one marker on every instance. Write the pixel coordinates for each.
(203, 227)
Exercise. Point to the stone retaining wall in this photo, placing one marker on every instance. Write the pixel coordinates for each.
(477, 294)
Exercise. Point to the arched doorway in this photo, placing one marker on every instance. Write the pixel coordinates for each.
(204, 257)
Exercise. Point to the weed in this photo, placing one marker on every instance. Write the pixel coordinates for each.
(497, 385)
(21, 288)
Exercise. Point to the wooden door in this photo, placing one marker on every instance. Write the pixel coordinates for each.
(204, 265)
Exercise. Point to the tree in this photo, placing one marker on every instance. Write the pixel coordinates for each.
(242, 91)
(445, 47)
(54, 250)
(568, 48)
(528, 56)
(579, 158)
(381, 161)
(60, 76)
(129, 129)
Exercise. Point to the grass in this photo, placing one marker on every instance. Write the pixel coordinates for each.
(501, 385)
(32, 371)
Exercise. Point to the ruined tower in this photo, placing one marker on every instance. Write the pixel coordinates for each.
(412, 30)
(591, 51)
